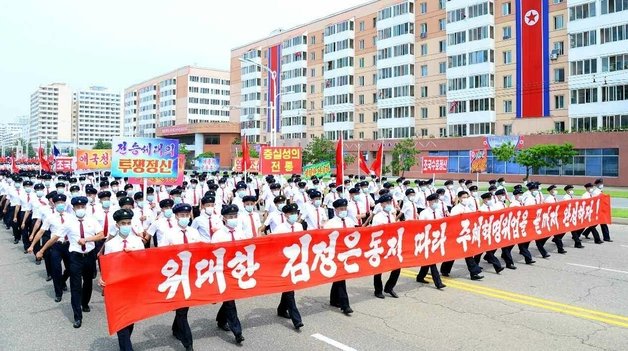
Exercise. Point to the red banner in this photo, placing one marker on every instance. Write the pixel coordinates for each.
(281, 160)
(237, 165)
(434, 164)
(166, 278)
(64, 164)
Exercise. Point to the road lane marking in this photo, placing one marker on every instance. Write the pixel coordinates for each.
(626, 246)
(333, 342)
(608, 318)
(600, 268)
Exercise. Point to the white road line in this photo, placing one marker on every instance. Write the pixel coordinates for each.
(333, 342)
(600, 268)
(626, 246)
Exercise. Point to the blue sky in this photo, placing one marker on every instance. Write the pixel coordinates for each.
(117, 43)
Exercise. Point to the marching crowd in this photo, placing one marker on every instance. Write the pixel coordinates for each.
(67, 222)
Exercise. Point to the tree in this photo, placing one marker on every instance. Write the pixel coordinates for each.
(183, 150)
(207, 154)
(30, 152)
(101, 145)
(537, 156)
(321, 150)
(252, 151)
(404, 156)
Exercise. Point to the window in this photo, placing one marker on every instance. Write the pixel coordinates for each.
(442, 89)
(374, 116)
(559, 102)
(612, 6)
(361, 117)
(423, 29)
(584, 124)
(559, 74)
(506, 8)
(582, 11)
(588, 66)
(442, 132)
(442, 46)
(442, 67)
(361, 62)
(559, 127)
(362, 26)
(584, 96)
(582, 39)
(485, 104)
(507, 129)
(361, 81)
(423, 49)
(559, 22)
(507, 106)
(557, 1)
(615, 122)
(615, 93)
(423, 7)
(615, 63)
(361, 99)
(508, 81)
(442, 111)
(361, 44)
(615, 33)
(559, 47)
(313, 72)
(423, 70)
(507, 56)
(441, 24)
(423, 91)
(506, 32)
(424, 112)
(423, 132)
(212, 139)
(481, 128)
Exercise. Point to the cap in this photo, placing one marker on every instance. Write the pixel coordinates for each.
(432, 197)
(241, 186)
(59, 198)
(460, 193)
(568, 187)
(486, 196)
(279, 198)
(125, 201)
(174, 192)
(290, 208)
(598, 181)
(315, 193)
(473, 188)
(354, 191)
(208, 200)
(440, 191)
(340, 203)
(229, 210)
(79, 200)
(385, 198)
(122, 214)
(492, 188)
(91, 191)
(39, 186)
(500, 179)
(517, 192)
(103, 194)
(181, 208)
(409, 192)
(138, 195)
(551, 187)
(249, 198)
(166, 203)
(500, 192)
(449, 182)
(588, 185)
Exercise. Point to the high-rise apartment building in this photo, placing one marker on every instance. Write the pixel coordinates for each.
(13, 131)
(96, 115)
(188, 95)
(393, 69)
(51, 114)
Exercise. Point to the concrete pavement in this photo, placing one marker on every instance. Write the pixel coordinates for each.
(577, 301)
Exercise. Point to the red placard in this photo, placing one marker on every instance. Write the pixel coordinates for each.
(166, 278)
(64, 164)
(478, 159)
(237, 165)
(281, 160)
(434, 164)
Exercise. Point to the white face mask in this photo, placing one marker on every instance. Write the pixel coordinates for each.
(570, 192)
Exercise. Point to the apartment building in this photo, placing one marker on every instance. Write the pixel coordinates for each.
(11, 132)
(96, 115)
(188, 95)
(51, 114)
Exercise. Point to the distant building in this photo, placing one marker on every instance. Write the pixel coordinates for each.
(51, 114)
(11, 132)
(96, 115)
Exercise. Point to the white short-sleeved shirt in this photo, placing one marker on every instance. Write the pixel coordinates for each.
(383, 218)
(459, 209)
(337, 222)
(274, 219)
(72, 229)
(409, 210)
(161, 226)
(245, 222)
(226, 234)
(175, 235)
(288, 228)
(314, 217)
(202, 224)
(429, 214)
(117, 244)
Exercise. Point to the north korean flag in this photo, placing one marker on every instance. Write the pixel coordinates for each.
(532, 58)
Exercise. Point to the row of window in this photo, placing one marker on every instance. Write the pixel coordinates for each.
(208, 80)
(590, 95)
(396, 10)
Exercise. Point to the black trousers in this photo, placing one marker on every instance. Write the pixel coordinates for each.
(181, 328)
(81, 276)
(445, 267)
(8, 218)
(38, 246)
(17, 232)
(338, 295)
(507, 255)
(330, 213)
(605, 233)
(228, 313)
(59, 253)
(26, 232)
(593, 230)
(489, 256)
(558, 240)
(124, 338)
(540, 244)
(433, 271)
(288, 303)
(524, 251)
(390, 283)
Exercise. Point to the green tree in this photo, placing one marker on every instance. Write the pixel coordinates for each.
(504, 152)
(404, 157)
(207, 154)
(101, 145)
(71, 153)
(537, 156)
(252, 151)
(321, 150)
(30, 152)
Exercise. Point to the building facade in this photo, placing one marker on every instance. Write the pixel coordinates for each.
(187, 95)
(51, 114)
(11, 132)
(96, 115)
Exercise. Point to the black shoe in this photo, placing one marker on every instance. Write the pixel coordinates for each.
(392, 293)
(499, 269)
(444, 274)
(599, 242)
(77, 324)
(298, 326)
(421, 280)
(476, 277)
(48, 278)
(25, 252)
(189, 348)
(239, 338)
(511, 266)
(65, 288)
(57, 298)
(86, 309)
(224, 327)
(608, 240)
(546, 255)
(379, 295)
(347, 311)
(16, 241)
(337, 305)
(439, 287)
(562, 251)
(283, 314)
(579, 246)
(38, 262)
(530, 262)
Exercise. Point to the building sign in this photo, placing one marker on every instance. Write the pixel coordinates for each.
(321, 169)
(494, 141)
(434, 164)
(64, 164)
(145, 158)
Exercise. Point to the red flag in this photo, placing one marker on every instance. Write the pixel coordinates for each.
(362, 163)
(14, 168)
(246, 157)
(340, 169)
(379, 161)
(45, 166)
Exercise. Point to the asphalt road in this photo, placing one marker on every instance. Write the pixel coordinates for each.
(577, 301)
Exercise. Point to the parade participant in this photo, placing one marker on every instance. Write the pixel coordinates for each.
(575, 235)
(368, 199)
(386, 216)
(240, 193)
(338, 294)
(589, 189)
(193, 196)
(534, 197)
(123, 241)
(143, 213)
(227, 317)
(450, 196)
(81, 232)
(24, 217)
(164, 223)
(181, 233)
(421, 196)
(597, 190)
(442, 208)
(287, 306)
(92, 205)
(461, 186)
(40, 209)
(273, 219)
(300, 197)
(151, 201)
(250, 221)
(507, 251)
(329, 199)
(463, 206)
(314, 215)
(12, 208)
(357, 207)
(409, 211)
(429, 214)
(488, 205)
(209, 220)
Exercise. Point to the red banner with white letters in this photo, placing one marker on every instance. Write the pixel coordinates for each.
(146, 283)
(434, 164)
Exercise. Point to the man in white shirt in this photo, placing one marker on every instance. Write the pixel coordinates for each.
(227, 317)
(450, 195)
(123, 241)
(287, 306)
(428, 214)
(552, 197)
(488, 205)
(314, 215)
(597, 190)
(523, 247)
(209, 220)
(275, 217)
(462, 207)
(329, 199)
(26, 207)
(12, 208)
(249, 219)
(357, 207)
(575, 235)
(164, 223)
(338, 294)
(461, 186)
(386, 216)
(41, 209)
(589, 193)
(409, 209)
(533, 198)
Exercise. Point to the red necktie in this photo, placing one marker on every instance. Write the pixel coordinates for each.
(292, 227)
(252, 225)
(82, 232)
(477, 208)
(93, 209)
(344, 225)
(185, 238)
(28, 197)
(414, 208)
(194, 197)
(388, 218)
(232, 237)
(358, 210)
(209, 220)
(451, 197)
(61, 215)
(106, 224)
(169, 224)
(124, 244)
(318, 219)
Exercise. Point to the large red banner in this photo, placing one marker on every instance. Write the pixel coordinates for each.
(434, 164)
(163, 279)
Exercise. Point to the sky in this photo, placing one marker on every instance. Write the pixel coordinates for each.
(117, 43)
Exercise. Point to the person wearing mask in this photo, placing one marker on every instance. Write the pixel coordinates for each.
(12, 208)
(552, 197)
(338, 296)
(227, 317)
(287, 306)
(443, 209)
(589, 191)
(461, 186)
(409, 210)
(463, 206)
(209, 220)
(597, 190)
(314, 215)
(175, 195)
(164, 223)
(386, 216)
(329, 199)
(26, 210)
(428, 214)
(507, 251)
(276, 217)
(575, 234)
(249, 219)
(357, 207)
(450, 195)
(489, 256)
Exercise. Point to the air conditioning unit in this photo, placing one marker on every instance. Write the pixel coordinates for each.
(506, 37)
(424, 35)
(555, 51)
(554, 56)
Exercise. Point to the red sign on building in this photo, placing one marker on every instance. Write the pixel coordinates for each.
(434, 164)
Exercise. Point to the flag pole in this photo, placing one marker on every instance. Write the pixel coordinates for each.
(359, 160)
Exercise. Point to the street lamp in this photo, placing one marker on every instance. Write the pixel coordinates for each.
(273, 108)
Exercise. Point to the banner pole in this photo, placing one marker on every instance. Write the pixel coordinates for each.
(477, 177)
